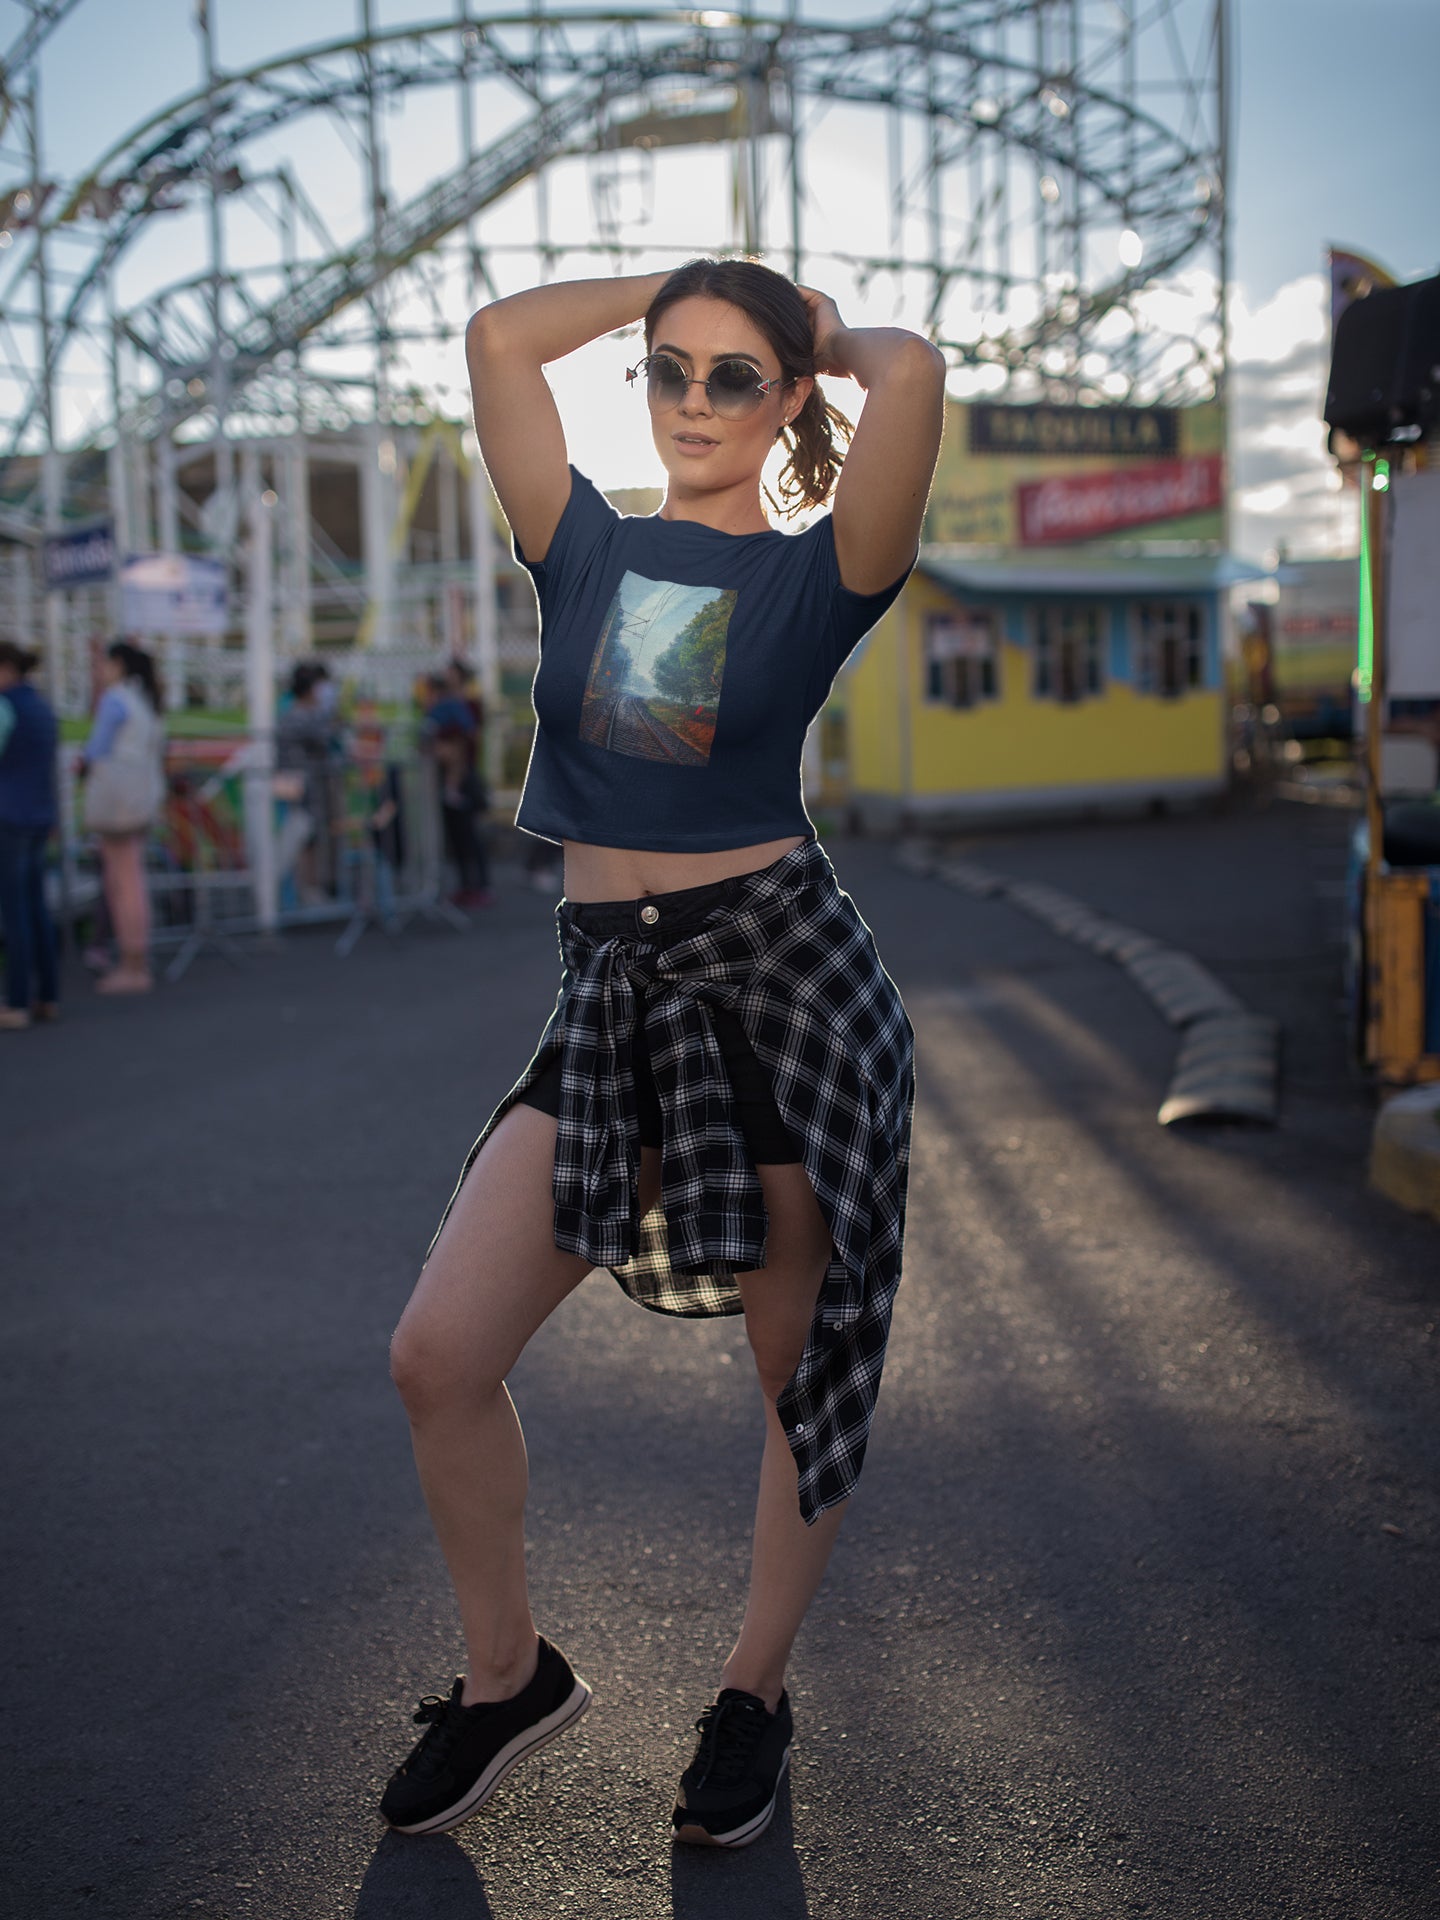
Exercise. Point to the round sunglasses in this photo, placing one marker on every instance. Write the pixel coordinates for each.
(733, 389)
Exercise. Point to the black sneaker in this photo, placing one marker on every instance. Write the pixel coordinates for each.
(466, 1752)
(727, 1793)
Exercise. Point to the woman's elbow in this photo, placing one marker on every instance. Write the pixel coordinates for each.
(482, 336)
(493, 336)
(923, 361)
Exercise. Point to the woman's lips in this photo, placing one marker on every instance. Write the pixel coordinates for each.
(693, 443)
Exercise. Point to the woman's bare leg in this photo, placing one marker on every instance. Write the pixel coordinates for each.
(788, 1559)
(494, 1277)
(127, 895)
(131, 906)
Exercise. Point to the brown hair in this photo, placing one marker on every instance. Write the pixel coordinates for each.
(136, 664)
(819, 433)
(22, 659)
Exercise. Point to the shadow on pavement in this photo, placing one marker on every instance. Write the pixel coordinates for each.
(1153, 1519)
(709, 1883)
(421, 1878)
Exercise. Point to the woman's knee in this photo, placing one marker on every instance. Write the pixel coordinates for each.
(433, 1372)
(775, 1363)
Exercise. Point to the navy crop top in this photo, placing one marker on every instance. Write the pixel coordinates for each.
(679, 670)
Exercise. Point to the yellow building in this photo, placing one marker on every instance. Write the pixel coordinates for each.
(1052, 682)
(1058, 647)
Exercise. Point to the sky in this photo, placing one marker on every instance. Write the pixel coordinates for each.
(1335, 106)
(656, 611)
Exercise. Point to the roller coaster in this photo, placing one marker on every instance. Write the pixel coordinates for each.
(1039, 185)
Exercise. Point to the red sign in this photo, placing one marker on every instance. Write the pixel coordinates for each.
(1312, 626)
(1084, 506)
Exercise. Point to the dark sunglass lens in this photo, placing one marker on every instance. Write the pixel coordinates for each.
(734, 387)
(666, 379)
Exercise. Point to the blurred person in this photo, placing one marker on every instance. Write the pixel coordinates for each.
(304, 741)
(460, 684)
(327, 696)
(123, 768)
(719, 1109)
(28, 815)
(451, 735)
(542, 865)
(381, 795)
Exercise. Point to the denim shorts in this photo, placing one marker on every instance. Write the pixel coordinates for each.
(672, 915)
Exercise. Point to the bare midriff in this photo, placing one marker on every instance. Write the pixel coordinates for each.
(627, 873)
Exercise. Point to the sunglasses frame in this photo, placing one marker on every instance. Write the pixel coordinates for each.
(760, 389)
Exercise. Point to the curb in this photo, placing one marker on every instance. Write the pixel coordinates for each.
(1226, 1070)
(1405, 1150)
(1228, 1066)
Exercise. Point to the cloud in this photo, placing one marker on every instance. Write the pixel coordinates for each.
(1292, 318)
(1282, 473)
(1299, 376)
(1260, 467)
(1265, 500)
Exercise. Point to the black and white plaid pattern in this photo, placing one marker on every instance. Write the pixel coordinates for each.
(792, 959)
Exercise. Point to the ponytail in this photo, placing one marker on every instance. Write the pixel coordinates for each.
(817, 438)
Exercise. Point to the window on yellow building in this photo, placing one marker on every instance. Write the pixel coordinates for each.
(1069, 662)
(962, 657)
(1169, 647)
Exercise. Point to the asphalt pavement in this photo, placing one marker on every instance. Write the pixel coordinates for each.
(1137, 1611)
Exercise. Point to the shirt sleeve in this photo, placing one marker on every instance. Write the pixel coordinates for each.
(849, 615)
(110, 716)
(7, 723)
(582, 535)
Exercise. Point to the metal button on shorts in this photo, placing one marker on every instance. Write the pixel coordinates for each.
(649, 915)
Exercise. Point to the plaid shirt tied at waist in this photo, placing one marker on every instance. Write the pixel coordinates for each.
(791, 958)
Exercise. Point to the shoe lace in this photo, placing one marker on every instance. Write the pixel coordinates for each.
(432, 1749)
(729, 1732)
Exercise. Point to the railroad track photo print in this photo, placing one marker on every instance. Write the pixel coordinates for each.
(654, 686)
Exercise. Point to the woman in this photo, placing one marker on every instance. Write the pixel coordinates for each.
(719, 1109)
(124, 771)
(27, 818)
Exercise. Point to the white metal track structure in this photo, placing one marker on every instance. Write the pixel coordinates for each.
(1033, 128)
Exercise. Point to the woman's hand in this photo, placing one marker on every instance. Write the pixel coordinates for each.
(825, 323)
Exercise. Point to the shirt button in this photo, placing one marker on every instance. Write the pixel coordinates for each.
(799, 1426)
(649, 915)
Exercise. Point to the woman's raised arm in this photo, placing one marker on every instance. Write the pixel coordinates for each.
(880, 495)
(507, 346)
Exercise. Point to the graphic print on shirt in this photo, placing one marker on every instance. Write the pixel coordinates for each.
(654, 685)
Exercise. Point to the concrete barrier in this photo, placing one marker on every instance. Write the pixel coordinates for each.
(1405, 1150)
(1228, 1067)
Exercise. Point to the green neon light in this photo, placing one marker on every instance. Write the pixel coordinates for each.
(1365, 659)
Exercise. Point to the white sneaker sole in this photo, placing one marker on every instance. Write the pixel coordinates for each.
(529, 1741)
(697, 1836)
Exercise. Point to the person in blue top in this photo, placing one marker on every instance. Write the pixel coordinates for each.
(28, 815)
(719, 1108)
(450, 733)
